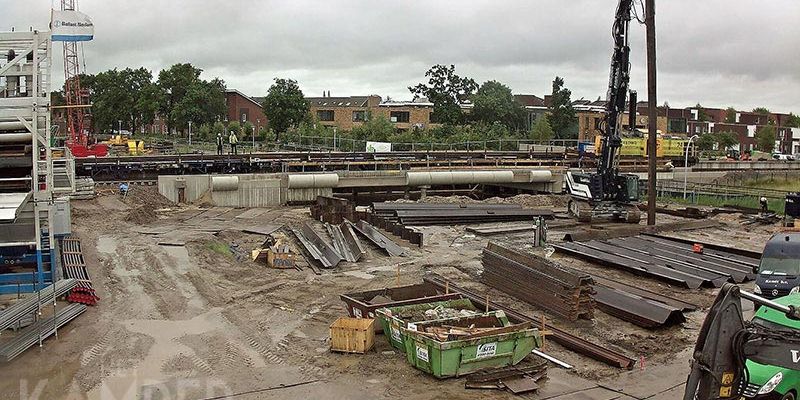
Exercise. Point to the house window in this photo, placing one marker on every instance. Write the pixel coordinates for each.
(325, 115)
(677, 125)
(399, 116)
(359, 116)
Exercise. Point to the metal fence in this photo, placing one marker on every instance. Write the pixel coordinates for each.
(333, 143)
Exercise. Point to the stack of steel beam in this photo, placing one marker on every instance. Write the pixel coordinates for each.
(422, 214)
(666, 259)
(320, 250)
(31, 303)
(39, 331)
(555, 288)
(333, 210)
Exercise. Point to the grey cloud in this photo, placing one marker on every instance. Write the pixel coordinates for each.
(717, 52)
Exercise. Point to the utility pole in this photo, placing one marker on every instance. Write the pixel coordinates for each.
(652, 113)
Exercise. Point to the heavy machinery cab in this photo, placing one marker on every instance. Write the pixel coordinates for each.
(779, 269)
(770, 381)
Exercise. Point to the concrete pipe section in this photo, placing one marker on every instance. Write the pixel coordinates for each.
(541, 176)
(224, 183)
(458, 177)
(308, 181)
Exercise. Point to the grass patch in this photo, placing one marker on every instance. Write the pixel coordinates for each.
(220, 248)
(789, 185)
(775, 205)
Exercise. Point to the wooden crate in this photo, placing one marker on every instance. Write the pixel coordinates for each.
(352, 335)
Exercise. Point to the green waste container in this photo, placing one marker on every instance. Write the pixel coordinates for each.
(507, 345)
(393, 319)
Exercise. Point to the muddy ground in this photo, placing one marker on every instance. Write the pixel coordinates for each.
(184, 313)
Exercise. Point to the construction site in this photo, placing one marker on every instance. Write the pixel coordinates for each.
(534, 273)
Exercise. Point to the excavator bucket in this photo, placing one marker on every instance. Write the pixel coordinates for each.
(715, 372)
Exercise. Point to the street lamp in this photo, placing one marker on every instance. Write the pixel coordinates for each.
(686, 162)
(190, 133)
(120, 126)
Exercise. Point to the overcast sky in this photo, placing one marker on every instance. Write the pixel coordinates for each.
(744, 53)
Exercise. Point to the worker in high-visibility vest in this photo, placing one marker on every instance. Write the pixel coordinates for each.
(233, 141)
(220, 143)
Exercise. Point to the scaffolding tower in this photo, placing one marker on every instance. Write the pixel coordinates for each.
(31, 177)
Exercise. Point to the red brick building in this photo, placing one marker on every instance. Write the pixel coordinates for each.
(244, 108)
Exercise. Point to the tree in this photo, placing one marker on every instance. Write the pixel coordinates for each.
(248, 129)
(793, 121)
(765, 138)
(730, 115)
(285, 106)
(447, 91)
(175, 83)
(128, 95)
(204, 132)
(494, 102)
(562, 116)
(235, 127)
(218, 128)
(706, 142)
(377, 128)
(726, 139)
(541, 130)
(702, 114)
(204, 102)
(761, 110)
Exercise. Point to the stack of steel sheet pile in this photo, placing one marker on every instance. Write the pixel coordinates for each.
(423, 214)
(552, 287)
(333, 210)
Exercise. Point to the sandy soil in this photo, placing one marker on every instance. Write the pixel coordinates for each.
(185, 320)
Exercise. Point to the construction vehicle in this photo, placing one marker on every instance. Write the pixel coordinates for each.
(736, 359)
(606, 193)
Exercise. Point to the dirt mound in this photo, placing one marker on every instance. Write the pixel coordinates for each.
(146, 196)
(141, 215)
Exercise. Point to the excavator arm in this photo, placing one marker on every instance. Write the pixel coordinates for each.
(726, 341)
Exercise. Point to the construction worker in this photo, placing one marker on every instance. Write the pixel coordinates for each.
(220, 143)
(233, 141)
(764, 204)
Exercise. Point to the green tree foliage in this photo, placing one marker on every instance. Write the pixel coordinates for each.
(793, 121)
(761, 110)
(234, 126)
(446, 90)
(720, 140)
(377, 128)
(285, 106)
(128, 95)
(203, 103)
(562, 115)
(727, 139)
(765, 138)
(248, 129)
(218, 128)
(730, 115)
(186, 97)
(205, 133)
(541, 130)
(702, 114)
(494, 102)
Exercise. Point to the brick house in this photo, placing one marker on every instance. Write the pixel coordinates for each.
(344, 113)
(244, 108)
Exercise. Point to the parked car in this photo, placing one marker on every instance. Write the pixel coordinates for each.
(783, 157)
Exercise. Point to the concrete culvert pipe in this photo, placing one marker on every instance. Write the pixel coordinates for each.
(541, 176)
(307, 181)
(458, 177)
(15, 137)
(224, 183)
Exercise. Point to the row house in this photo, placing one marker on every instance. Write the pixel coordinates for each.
(346, 113)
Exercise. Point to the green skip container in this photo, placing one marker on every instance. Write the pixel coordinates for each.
(395, 319)
(493, 348)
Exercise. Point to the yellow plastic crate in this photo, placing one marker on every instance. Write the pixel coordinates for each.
(352, 335)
